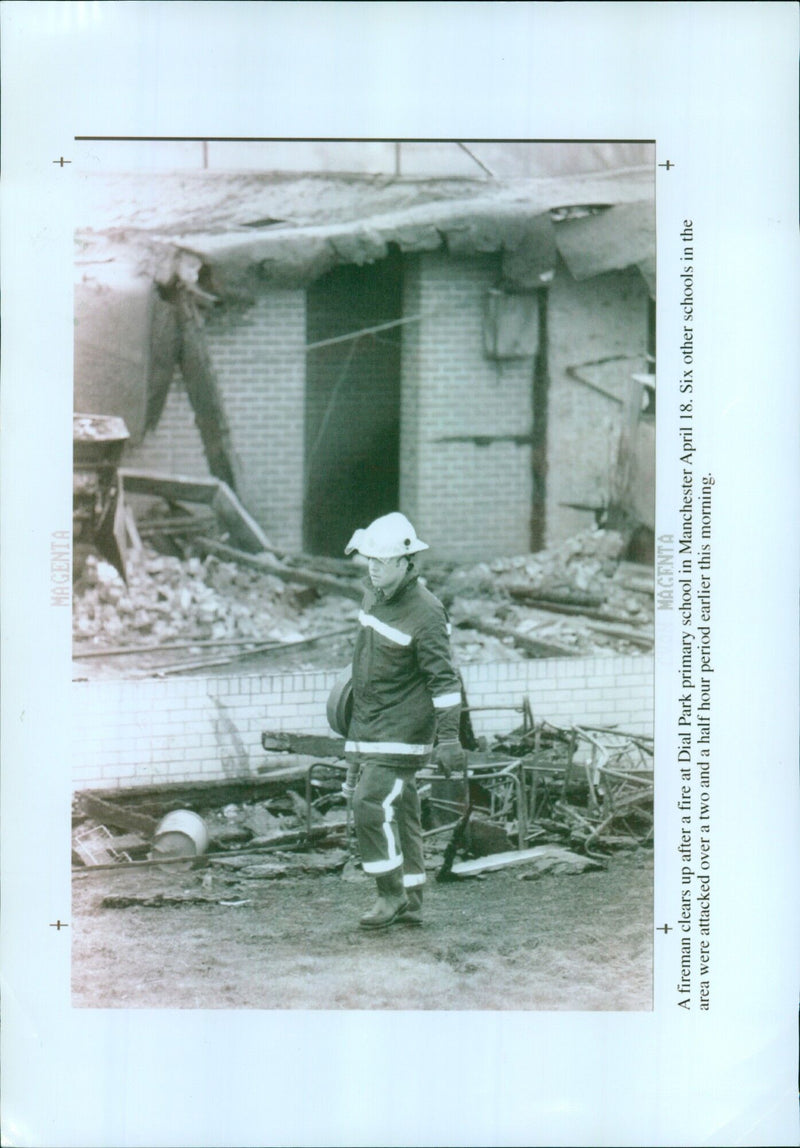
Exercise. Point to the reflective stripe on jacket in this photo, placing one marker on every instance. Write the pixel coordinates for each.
(404, 682)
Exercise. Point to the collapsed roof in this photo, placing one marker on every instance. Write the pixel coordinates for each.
(254, 230)
(228, 236)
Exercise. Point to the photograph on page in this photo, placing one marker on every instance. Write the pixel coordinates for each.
(363, 574)
(399, 711)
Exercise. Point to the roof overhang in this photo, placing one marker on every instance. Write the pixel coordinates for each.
(252, 231)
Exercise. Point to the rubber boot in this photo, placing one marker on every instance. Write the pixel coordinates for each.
(413, 914)
(392, 901)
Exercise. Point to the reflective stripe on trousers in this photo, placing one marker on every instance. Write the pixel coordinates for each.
(387, 820)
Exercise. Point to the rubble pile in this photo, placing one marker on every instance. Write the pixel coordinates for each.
(527, 799)
(580, 570)
(579, 598)
(168, 598)
(573, 786)
(252, 837)
(237, 823)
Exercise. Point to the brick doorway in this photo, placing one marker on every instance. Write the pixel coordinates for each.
(352, 405)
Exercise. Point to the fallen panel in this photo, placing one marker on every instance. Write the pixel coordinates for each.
(610, 241)
(244, 529)
(113, 309)
(544, 856)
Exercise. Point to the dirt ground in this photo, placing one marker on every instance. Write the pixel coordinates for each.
(502, 941)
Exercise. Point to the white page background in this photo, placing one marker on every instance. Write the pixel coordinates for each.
(716, 86)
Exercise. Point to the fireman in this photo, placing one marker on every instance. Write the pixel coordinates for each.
(406, 709)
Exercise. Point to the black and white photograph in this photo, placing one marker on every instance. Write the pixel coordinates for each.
(398, 582)
(363, 593)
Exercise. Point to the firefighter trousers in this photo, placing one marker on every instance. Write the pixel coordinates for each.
(386, 814)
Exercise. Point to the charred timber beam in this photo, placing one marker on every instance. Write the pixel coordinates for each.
(532, 646)
(573, 600)
(111, 814)
(317, 745)
(568, 608)
(204, 392)
(540, 402)
(202, 388)
(272, 780)
(623, 632)
(212, 492)
(268, 565)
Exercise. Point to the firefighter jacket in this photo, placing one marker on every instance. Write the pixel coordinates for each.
(405, 689)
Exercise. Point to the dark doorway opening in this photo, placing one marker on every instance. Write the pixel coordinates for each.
(352, 433)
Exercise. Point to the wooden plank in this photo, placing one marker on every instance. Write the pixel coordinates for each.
(212, 492)
(343, 567)
(173, 487)
(157, 647)
(637, 586)
(528, 598)
(623, 632)
(133, 534)
(540, 853)
(242, 526)
(121, 818)
(293, 837)
(203, 389)
(182, 526)
(272, 780)
(532, 646)
(553, 598)
(362, 331)
(316, 745)
(268, 565)
(219, 660)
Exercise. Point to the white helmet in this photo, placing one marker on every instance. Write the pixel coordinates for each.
(387, 537)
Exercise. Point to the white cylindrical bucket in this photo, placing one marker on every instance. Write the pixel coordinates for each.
(181, 833)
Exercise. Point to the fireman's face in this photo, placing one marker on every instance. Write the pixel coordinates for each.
(386, 573)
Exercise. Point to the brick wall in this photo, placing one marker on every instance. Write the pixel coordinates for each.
(261, 364)
(596, 319)
(174, 446)
(259, 357)
(472, 501)
(147, 732)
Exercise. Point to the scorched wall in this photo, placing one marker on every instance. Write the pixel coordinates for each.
(470, 501)
(259, 356)
(603, 318)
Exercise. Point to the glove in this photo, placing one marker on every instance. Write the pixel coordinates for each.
(449, 755)
(350, 781)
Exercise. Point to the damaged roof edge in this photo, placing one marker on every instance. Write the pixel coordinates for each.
(297, 258)
(498, 220)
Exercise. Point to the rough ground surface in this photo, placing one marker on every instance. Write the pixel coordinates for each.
(581, 942)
